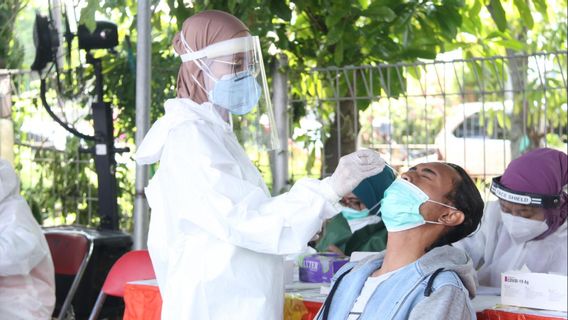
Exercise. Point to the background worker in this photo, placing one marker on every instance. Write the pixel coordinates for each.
(358, 227)
(27, 279)
(527, 224)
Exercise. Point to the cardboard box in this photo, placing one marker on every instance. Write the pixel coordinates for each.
(534, 290)
(320, 267)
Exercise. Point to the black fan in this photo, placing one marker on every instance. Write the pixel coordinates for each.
(45, 41)
(104, 36)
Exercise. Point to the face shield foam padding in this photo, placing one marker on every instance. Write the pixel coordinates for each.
(523, 198)
(219, 49)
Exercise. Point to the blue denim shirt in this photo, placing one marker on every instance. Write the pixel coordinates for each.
(402, 296)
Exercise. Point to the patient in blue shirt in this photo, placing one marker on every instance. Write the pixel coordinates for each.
(418, 276)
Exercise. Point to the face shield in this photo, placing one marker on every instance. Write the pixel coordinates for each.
(524, 198)
(234, 80)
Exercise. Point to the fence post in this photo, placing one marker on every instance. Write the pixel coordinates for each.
(143, 73)
(279, 158)
(6, 127)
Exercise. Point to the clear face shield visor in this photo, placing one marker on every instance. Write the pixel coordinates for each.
(235, 82)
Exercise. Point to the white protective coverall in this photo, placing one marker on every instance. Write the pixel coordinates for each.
(217, 238)
(494, 251)
(27, 284)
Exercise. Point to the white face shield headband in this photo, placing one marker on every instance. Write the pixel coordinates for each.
(524, 198)
(235, 80)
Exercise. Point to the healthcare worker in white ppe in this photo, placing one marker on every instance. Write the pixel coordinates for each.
(217, 238)
(27, 280)
(527, 224)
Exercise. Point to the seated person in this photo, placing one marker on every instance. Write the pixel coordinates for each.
(358, 227)
(418, 276)
(27, 283)
(516, 233)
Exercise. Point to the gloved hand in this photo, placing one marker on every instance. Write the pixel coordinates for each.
(354, 168)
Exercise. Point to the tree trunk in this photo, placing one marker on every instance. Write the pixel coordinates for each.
(346, 134)
(522, 132)
(519, 119)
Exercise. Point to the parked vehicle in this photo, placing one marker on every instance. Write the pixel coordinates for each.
(474, 138)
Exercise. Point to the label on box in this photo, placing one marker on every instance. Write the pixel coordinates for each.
(534, 290)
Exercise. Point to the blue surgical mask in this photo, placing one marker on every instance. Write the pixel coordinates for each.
(352, 214)
(400, 207)
(237, 93)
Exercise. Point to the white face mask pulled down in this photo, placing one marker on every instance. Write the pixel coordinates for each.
(523, 229)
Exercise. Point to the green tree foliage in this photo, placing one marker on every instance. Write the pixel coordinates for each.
(520, 27)
(340, 33)
(10, 47)
(311, 33)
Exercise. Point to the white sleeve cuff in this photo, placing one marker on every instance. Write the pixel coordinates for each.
(330, 195)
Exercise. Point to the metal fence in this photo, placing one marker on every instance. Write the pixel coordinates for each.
(478, 113)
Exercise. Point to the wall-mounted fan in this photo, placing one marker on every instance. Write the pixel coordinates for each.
(69, 82)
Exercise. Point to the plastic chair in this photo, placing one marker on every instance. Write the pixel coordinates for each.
(70, 252)
(132, 266)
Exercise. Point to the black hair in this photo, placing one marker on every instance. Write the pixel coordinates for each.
(466, 198)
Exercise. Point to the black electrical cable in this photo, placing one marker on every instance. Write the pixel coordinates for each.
(59, 87)
(56, 118)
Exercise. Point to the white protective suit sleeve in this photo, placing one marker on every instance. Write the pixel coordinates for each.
(19, 249)
(558, 263)
(203, 186)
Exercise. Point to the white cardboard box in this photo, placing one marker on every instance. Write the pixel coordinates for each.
(534, 290)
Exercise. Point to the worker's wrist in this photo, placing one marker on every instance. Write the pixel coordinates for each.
(329, 194)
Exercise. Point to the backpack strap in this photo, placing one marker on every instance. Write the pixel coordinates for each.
(430, 284)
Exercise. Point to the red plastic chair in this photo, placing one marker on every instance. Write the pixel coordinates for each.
(132, 266)
(70, 252)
